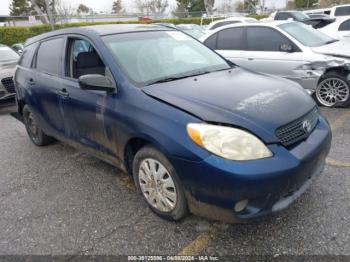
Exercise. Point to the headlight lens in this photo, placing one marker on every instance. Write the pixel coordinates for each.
(227, 142)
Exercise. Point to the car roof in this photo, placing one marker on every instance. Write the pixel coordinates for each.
(271, 23)
(100, 30)
(289, 11)
(233, 18)
(341, 19)
(4, 47)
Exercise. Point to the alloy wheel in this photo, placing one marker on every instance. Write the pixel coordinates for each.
(332, 91)
(157, 185)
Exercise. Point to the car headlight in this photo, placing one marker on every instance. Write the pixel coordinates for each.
(227, 142)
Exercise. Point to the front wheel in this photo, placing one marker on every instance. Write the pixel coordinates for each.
(159, 184)
(333, 91)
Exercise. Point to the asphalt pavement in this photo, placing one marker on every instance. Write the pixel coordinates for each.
(56, 200)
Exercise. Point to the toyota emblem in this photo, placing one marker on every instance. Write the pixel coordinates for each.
(307, 126)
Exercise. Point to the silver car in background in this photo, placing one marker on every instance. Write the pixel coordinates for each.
(291, 50)
(230, 21)
(8, 62)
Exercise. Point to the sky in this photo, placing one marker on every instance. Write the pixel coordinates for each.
(105, 5)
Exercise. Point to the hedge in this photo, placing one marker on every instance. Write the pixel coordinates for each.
(10, 35)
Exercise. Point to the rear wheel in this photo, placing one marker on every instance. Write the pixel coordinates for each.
(333, 91)
(159, 184)
(35, 133)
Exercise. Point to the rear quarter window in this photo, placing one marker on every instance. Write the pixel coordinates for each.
(211, 41)
(27, 56)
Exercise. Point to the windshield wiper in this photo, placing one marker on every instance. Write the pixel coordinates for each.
(173, 78)
(331, 41)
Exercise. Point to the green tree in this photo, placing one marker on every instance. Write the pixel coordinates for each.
(83, 9)
(301, 4)
(196, 6)
(117, 6)
(186, 6)
(19, 7)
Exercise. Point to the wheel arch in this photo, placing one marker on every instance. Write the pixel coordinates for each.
(21, 103)
(339, 70)
(133, 145)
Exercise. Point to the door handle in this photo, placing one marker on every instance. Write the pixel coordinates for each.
(63, 92)
(31, 81)
(250, 58)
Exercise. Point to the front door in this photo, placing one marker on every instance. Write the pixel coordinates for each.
(84, 110)
(263, 53)
(259, 49)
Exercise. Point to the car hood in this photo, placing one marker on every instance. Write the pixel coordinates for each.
(339, 49)
(7, 69)
(253, 101)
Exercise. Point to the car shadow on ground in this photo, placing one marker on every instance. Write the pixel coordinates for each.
(7, 108)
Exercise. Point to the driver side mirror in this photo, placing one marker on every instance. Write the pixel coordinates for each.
(96, 82)
(286, 48)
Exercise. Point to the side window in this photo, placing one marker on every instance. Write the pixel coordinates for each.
(82, 59)
(345, 26)
(211, 41)
(265, 39)
(230, 39)
(49, 56)
(342, 11)
(27, 56)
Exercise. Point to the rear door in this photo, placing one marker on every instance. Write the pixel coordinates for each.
(44, 84)
(229, 43)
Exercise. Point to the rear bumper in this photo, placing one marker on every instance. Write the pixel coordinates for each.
(214, 185)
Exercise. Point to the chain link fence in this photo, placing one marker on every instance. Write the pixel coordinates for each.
(34, 20)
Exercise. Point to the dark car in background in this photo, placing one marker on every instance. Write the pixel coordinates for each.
(18, 48)
(315, 22)
(8, 62)
(194, 130)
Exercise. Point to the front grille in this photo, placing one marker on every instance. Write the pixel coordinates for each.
(298, 129)
(8, 84)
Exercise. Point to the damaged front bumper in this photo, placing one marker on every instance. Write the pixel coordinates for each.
(309, 74)
(237, 191)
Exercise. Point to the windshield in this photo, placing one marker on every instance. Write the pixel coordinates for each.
(306, 35)
(301, 16)
(7, 54)
(147, 57)
(195, 33)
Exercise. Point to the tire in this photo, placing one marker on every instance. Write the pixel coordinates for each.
(35, 133)
(158, 188)
(333, 91)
